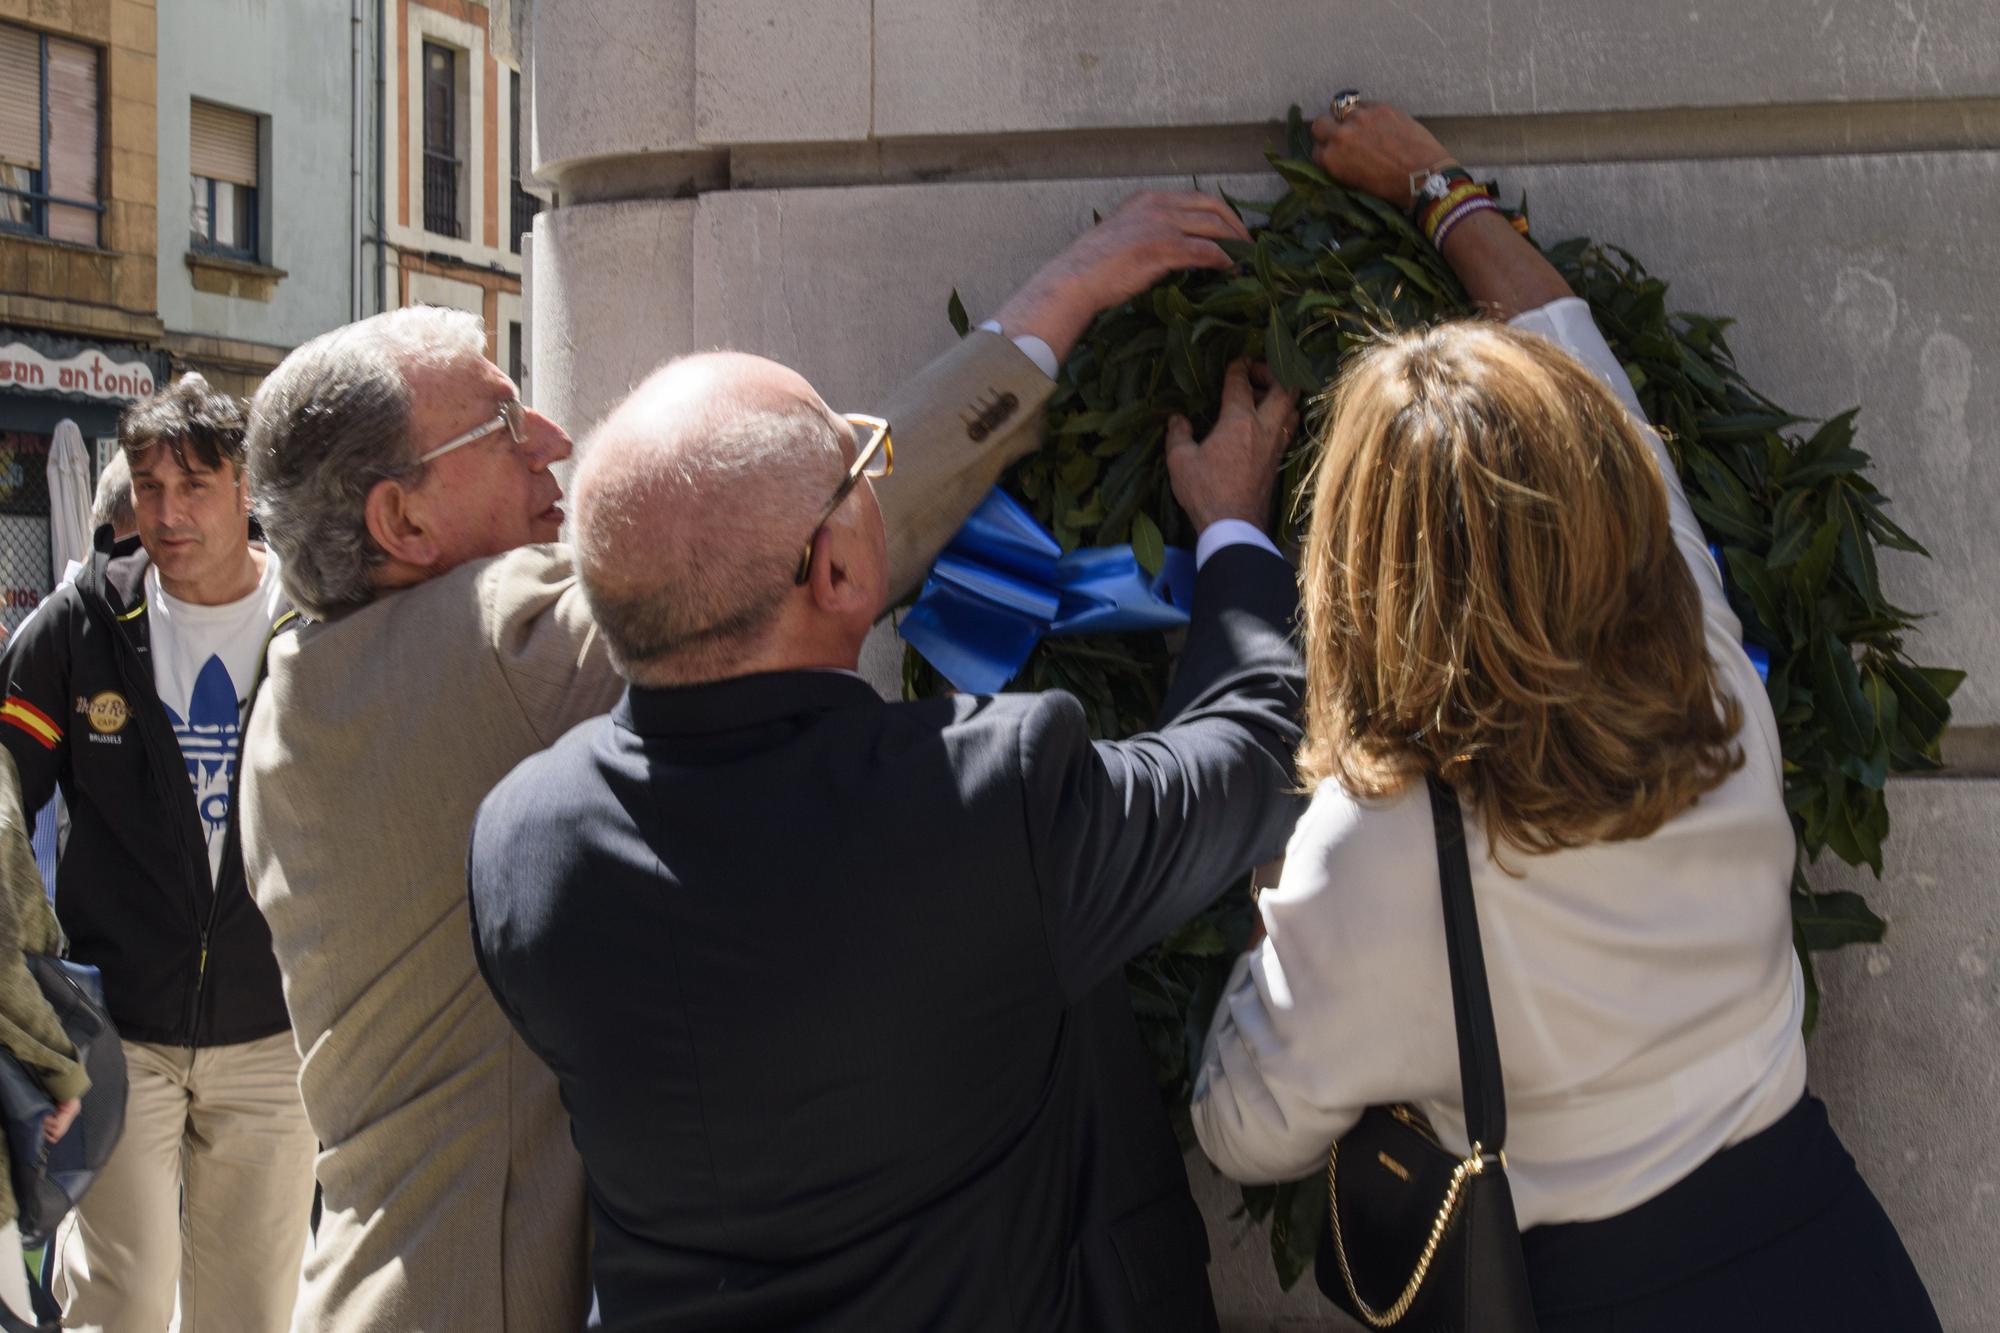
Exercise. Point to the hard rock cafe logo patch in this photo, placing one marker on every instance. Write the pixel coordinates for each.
(106, 711)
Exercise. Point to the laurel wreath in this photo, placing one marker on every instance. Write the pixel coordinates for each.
(1787, 502)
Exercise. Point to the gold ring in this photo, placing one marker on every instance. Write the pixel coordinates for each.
(1344, 103)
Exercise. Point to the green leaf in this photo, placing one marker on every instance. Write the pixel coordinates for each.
(1834, 920)
(1837, 689)
(1148, 545)
(1287, 362)
(1298, 1215)
(954, 311)
(1300, 172)
(1925, 706)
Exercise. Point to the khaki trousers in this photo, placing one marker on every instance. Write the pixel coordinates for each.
(208, 1193)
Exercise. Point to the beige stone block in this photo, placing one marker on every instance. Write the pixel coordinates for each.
(611, 77)
(133, 175)
(133, 124)
(783, 71)
(134, 26)
(601, 267)
(217, 282)
(971, 66)
(1908, 1048)
(132, 74)
(137, 286)
(38, 270)
(88, 277)
(91, 19)
(131, 228)
(13, 266)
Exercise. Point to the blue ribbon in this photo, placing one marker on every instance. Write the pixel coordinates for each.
(1003, 584)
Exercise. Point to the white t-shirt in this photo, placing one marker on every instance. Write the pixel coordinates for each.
(204, 659)
(1645, 993)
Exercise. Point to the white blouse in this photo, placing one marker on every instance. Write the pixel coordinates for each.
(1645, 993)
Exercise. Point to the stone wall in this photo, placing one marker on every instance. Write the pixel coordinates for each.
(810, 178)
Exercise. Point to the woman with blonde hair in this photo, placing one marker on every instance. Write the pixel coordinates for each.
(1504, 588)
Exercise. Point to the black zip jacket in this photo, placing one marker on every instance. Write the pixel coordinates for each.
(184, 963)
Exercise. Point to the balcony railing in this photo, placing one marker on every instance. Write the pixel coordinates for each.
(441, 195)
(525, 207)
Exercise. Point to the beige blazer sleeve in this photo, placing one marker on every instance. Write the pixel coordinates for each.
(956, 426)
(28, 1026)
(539, 627)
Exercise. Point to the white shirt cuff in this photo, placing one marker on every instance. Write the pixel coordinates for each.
(1230, 532)
(1031, 347)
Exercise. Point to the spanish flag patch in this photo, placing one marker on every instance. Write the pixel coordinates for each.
(20, 713)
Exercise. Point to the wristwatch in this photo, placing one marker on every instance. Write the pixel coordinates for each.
(1434, 183)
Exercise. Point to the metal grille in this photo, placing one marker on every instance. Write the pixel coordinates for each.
(24, 525)
(525, 208)
(441, 194)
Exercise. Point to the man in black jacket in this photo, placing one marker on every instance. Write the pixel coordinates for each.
(128, 689)
(833, 986)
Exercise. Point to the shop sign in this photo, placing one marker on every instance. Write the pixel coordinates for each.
(88, 374)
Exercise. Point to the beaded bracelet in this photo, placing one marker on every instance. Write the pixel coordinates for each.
(1480, 202)
(1461, 188)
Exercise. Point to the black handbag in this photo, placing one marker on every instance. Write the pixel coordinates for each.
(1420, 1238)
(49, 1178)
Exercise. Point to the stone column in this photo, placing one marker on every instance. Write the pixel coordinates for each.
(809, 179)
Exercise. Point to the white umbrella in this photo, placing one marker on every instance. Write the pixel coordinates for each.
(69, 500)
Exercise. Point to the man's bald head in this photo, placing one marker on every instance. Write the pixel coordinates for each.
(692, 504)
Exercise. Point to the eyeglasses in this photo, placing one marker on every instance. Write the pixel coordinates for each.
(512, 418)
(874, 459)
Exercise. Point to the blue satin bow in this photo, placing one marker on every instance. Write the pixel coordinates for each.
(1003, 584)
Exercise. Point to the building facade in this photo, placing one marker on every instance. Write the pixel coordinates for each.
(80, 329)
(205, 185)
(262, 154)
(452, 164)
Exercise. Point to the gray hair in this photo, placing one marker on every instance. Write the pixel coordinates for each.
(682, 604)
(113, 502)
(331, 421)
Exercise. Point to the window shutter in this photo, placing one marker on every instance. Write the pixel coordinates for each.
(224, 144)
(73, 139)
(21, 97)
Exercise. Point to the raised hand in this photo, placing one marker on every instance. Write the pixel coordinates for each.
(1231, 472)
(1150, 235)
(1376, 147)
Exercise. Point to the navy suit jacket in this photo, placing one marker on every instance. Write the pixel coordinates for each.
(833, 986)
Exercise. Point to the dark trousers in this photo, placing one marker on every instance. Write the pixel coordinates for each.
(1778, 1232)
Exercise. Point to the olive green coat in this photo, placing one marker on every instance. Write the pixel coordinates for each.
(28, 1026)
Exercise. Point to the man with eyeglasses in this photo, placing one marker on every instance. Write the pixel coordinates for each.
(410, 497)
(832, 985)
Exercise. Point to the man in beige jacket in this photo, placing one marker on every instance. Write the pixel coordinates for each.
(408, 494)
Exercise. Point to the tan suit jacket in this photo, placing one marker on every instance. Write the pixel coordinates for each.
(453, 1197)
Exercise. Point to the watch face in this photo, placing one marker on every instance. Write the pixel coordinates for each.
(1436, 186)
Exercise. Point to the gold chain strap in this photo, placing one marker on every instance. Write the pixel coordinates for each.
(1469, 1167)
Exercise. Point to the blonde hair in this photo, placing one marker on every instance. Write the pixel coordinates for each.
(1493, 594)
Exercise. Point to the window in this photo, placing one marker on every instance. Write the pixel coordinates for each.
(48, 136)
(514, 365)
(222, 181)
(525, 205)
(441, 162)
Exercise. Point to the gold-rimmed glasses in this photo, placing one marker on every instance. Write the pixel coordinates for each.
(875, 458)
(512, 418)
